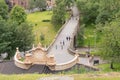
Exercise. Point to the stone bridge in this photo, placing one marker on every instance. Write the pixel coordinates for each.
(65, 39)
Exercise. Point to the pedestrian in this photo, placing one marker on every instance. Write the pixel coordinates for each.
(63, 43)
(67, 38)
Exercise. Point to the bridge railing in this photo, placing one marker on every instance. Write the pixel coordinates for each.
(66, 65)
(20, 64)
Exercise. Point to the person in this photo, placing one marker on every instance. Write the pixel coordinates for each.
(63, 43)
(67, 38)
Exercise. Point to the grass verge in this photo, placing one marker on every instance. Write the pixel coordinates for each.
(42, 27)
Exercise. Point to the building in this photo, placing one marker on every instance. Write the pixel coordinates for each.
(50, 3)
(25, 3)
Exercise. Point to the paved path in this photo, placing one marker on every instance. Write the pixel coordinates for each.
(57, 78)
(58, 49)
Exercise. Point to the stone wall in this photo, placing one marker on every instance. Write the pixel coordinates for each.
(20, 64)
(64, 66)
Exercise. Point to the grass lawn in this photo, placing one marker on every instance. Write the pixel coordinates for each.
(22, 76)
(106, 67)
(2, 0)
(91, 36)
(97, 76)
(44, 29)
(87, 76)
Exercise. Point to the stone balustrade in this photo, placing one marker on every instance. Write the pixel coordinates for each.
(21, 64)
(66, 65)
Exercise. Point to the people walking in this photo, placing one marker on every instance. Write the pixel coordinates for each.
(67, 38)
(63, 43)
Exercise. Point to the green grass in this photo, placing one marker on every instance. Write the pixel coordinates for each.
(40, 27)
(106, 67)
(2, 0)
(87, 76)
(97, 76)
(91, 36)
(44, 29)
(22, 77)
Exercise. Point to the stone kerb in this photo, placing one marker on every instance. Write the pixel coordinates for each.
(67, 65)
(49, 47)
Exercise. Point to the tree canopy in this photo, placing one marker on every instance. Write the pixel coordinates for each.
(110, 45)
(3, 10)
(41, 4)
(18, 14)
(15, 32)
(58, 17)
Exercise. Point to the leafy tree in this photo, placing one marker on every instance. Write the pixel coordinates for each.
(3, 10)
(5, 36)
(41, 4)
(58, 1)
(58, 17)
(89, 10)
(68, 3)
(110, 45)
(31, 4)
(18, 14)
(22, 36)
(13, 35)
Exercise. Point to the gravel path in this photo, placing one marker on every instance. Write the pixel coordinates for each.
(57, 78)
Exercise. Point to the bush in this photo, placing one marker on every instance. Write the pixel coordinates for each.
(46, 20)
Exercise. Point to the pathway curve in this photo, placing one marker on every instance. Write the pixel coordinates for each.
(61, 44)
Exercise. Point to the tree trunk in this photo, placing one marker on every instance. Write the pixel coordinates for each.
(111, 65)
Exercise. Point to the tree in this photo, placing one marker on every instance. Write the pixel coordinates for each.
(3, 10)
(58, 17)
(68, 3)
(5, 37)
(89, 10)
(23, 37)
(41, 4)
(18, 14)
(110, 45)
(31, 5)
